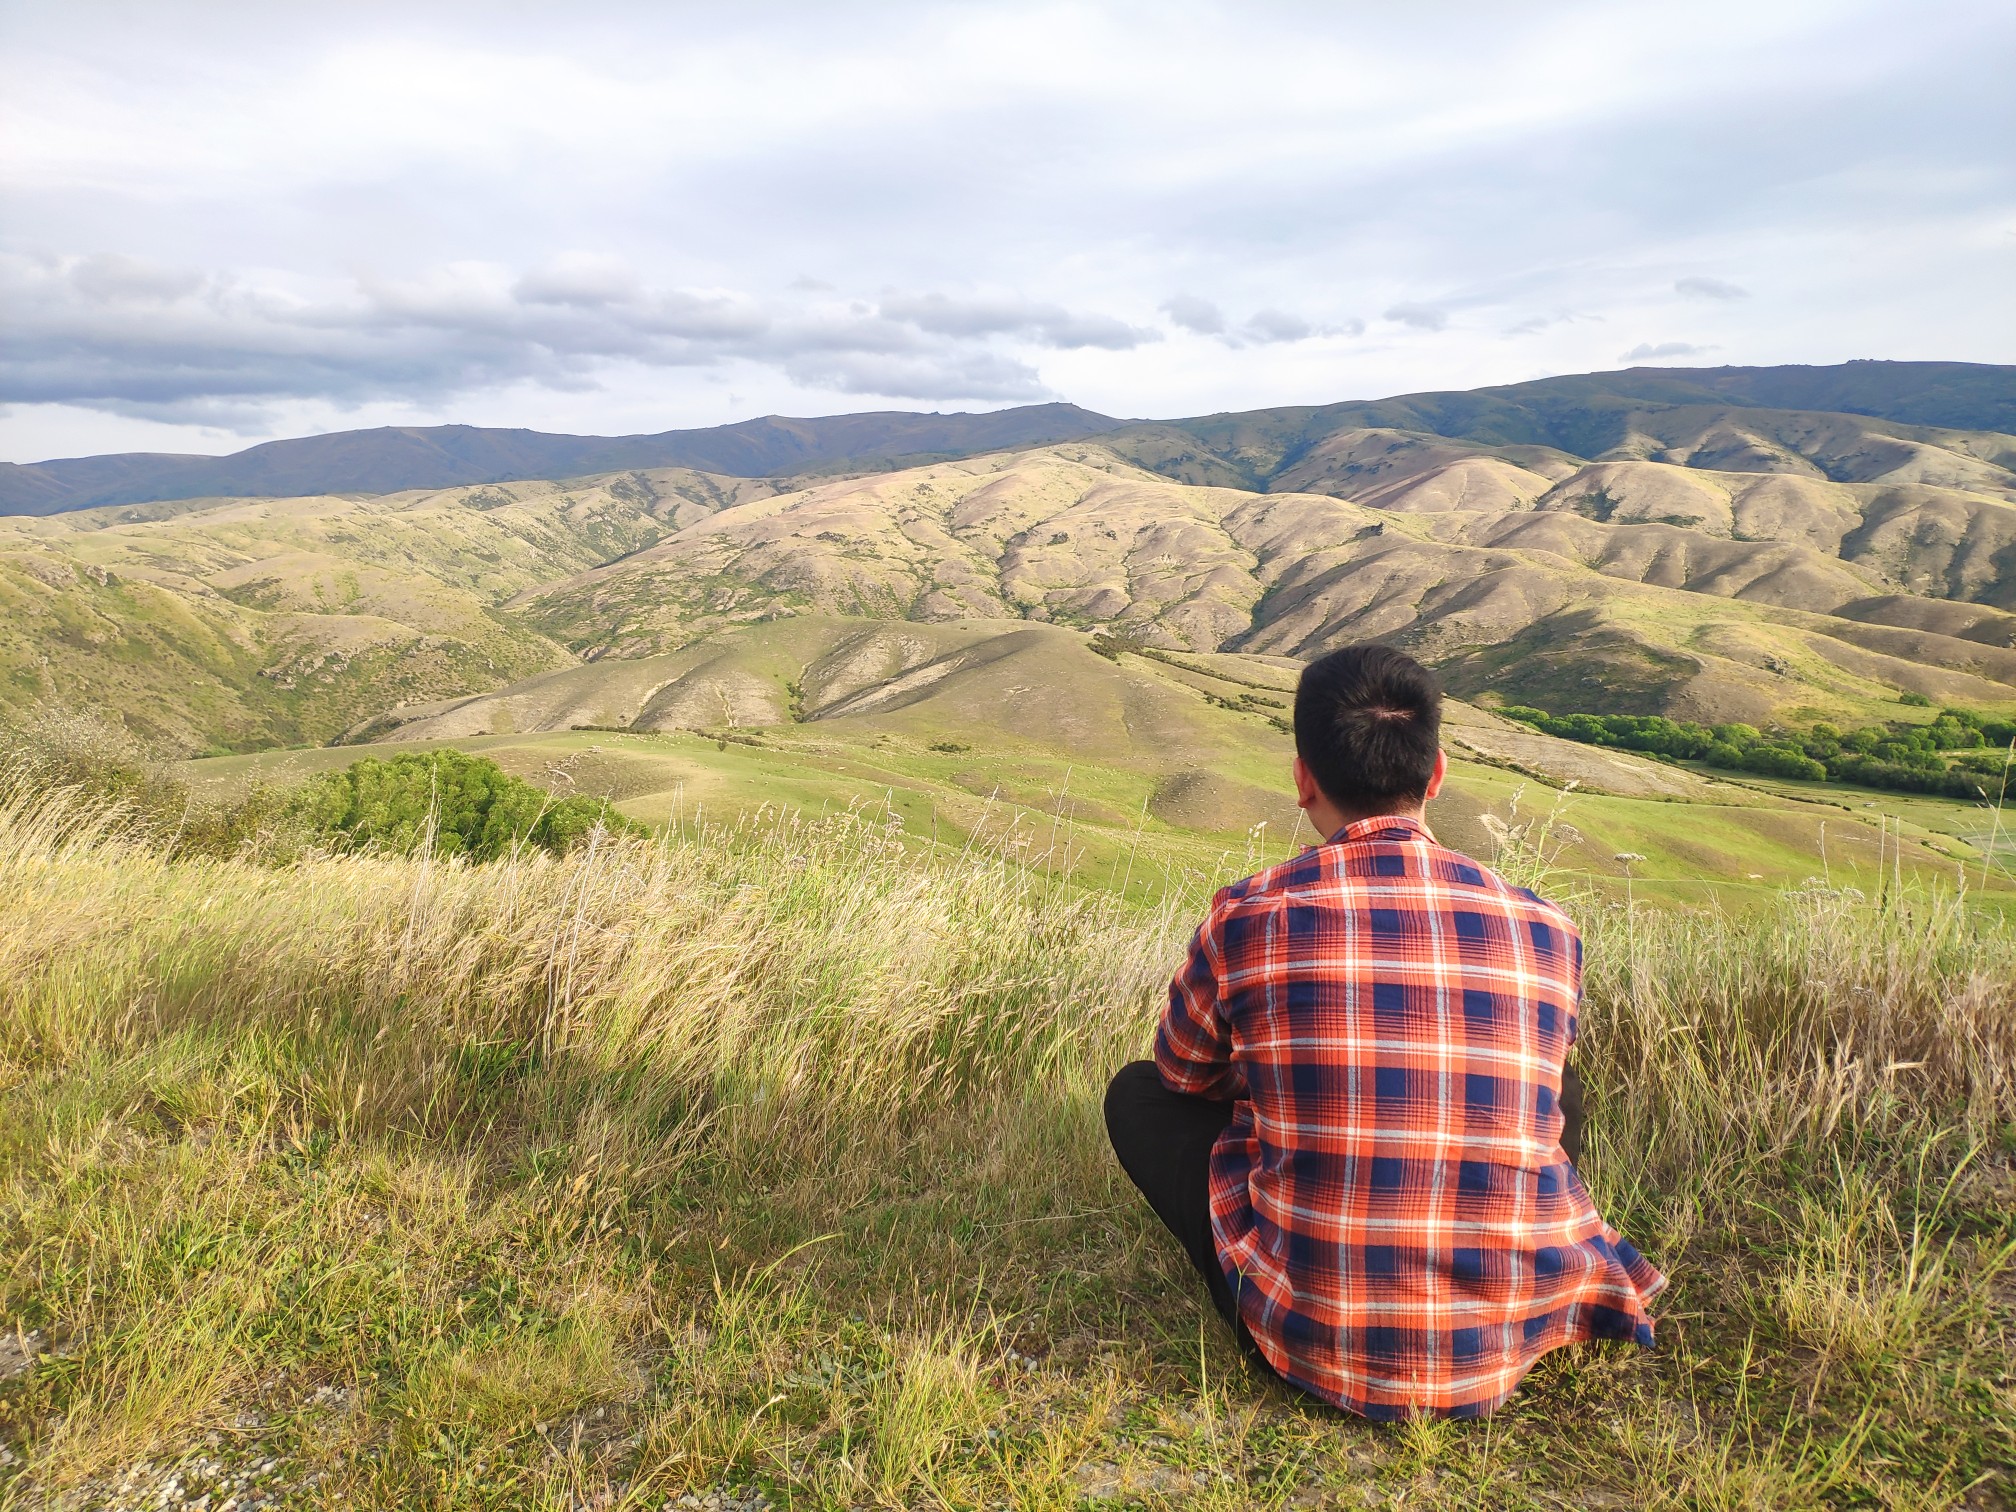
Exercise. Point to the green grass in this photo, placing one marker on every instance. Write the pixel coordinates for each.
(1097, 821)
(766, 1158)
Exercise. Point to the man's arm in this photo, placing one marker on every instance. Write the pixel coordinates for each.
(1193, 1046)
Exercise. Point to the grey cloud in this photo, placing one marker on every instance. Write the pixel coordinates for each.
(1422, 317)
(1094, 331)
(586, 282)
(109, 276)
(131, 340)
(1646, 350)
(1709, 288)
(1537, 323)
(1192, 313)
(697, 317)
(1262, 328)
(1050, 324)
(984, 375)
(1278, 325)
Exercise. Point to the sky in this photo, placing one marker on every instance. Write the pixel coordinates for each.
(222, 223)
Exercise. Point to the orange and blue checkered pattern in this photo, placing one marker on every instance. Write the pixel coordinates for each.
(1391, 1201)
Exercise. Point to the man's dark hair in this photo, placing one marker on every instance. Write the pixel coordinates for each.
(1368, 722)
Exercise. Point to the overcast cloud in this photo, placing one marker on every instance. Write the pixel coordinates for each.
(225, 222)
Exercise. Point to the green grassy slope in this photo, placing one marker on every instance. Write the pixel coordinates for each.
(1128, 773)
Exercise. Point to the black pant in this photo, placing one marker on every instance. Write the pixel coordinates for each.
(1164, 1141)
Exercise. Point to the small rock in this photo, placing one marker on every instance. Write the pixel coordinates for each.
(18, 1350)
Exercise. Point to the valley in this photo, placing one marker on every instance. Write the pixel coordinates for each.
(1142, 772)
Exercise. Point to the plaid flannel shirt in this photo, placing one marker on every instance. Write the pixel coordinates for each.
(1391, 1202)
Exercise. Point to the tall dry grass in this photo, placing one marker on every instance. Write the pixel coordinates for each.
(452, 1130)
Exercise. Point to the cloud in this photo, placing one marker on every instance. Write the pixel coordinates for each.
(1536, 323)
(1422, 317)
(1048, 324)
(272, 205)
(1278, 325)
(1709, 288)
(136, 339)
(979, 376)
(1646, 350)
(1263, 328)
(108, 277)
(1192, 313)
(582, 279)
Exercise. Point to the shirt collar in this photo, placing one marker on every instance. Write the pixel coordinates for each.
(1383, 827)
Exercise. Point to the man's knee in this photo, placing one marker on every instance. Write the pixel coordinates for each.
(1133, 1084)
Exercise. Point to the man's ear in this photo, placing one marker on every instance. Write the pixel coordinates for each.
(1306, 791)
(1435, 777)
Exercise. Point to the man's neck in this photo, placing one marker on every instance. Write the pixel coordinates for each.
(1333, 822)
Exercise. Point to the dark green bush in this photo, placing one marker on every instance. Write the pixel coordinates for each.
(1781, 761)
(1112, 647)
(466, 805)
(1908, 779)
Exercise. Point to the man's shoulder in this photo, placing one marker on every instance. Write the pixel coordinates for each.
(1264, 889)
(1330, 873)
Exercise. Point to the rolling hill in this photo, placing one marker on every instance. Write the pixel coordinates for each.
(1670, 541)
(1641, 587)
(283, 622)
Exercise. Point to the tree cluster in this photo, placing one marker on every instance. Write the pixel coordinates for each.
(1960, 754)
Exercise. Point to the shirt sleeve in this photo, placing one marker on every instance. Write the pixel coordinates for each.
(1193, 1046)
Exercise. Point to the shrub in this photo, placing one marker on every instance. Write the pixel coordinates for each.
(1781, 761)
(1950, 734)
(464, 805)
(1907, 779)
(1112, 647)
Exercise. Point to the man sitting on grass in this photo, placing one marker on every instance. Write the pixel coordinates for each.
(1353, 1121)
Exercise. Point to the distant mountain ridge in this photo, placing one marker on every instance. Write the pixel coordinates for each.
(1585, 415)
(394, 459)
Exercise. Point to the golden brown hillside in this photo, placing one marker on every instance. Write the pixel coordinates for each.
(1640, 542)
(282, 621)
(1713, 595)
